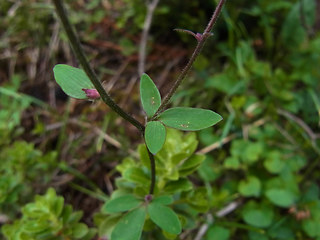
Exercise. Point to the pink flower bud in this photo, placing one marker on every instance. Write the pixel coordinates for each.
(91, 93)
(198, 36)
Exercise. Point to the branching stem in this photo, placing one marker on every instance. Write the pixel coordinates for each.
(195, 54)
(76, 46)
(78, 51)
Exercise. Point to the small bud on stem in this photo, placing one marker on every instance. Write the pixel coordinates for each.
(91, 93)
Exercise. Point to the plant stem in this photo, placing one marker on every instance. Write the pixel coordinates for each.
(78, 51)
(144, 37)
(195, 54)
(153, 172)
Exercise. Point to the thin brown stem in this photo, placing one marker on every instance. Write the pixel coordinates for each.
(195, 54)
(78, 51)
(144, 37)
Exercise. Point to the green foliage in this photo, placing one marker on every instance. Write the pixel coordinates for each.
(173, 163)
(164, 217)
(121, 204)
(281, 197)
(72, 80)
(19, 170)
(12, 105)
(150, 96)
(218, 233)
(258, 215)
(189, 119)
(155, 136)
(267, 89)
(48, 218)
(130, 226)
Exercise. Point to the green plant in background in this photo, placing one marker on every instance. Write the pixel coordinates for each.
(48, 218)
(20, 161)
(174, 163)
(20, 167)
(12, 105)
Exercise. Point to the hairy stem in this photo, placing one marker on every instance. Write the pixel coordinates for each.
(195, 54)
(78, 51)
(153, 172)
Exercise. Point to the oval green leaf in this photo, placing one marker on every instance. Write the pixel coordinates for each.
(72, 80)
(164, 217)
(189, 119)
(155, 136)
(258, 217)
(79, 230)
(121, 204)
(130, 226)
(281, 197)
(150, 96)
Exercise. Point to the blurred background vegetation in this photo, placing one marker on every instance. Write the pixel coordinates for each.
(260, 71)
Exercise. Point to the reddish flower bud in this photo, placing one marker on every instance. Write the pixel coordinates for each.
(198, 36)
(91, 93)
(148, 198)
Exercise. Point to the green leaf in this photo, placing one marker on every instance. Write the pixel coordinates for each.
(136, 175)
(165, 200)
(164, 217)
(150, 96)
(189, 119)
(180, 185)
(194, 161)
(207, 171)
(107, 225)
(232, 163)
(155, 136)
(72, 80)
(218, 233)
(130, 226)
(79, 230)
(258, 217)
(121, 204)
(274, 162)
(257, 236)
(281, 197)
(250, 187)
(311, 227)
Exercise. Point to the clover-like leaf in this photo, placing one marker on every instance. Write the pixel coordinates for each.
(150, 96)
(155, 136)
(164, 217)
(121, 204)
(189, 119)
(72, 80)
(130, 226)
